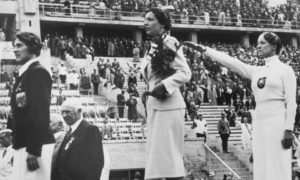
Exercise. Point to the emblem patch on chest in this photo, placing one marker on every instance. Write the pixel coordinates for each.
(261, 82)
(21, 99)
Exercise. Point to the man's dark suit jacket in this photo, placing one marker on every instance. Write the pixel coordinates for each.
(82, 159)
(30, 105)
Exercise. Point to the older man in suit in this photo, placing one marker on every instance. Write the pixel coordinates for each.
(80, 153)
(30, 104)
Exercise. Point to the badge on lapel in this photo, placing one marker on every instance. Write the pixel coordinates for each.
(21, 99)
(69, 143)
(261, 82)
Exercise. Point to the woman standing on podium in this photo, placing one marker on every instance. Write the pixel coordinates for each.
(274, 89)
(164, 69)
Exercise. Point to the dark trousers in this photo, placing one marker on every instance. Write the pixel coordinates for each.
(96, 85)
(121, 111)
(224, 138)
(201, 135)
(63, 78)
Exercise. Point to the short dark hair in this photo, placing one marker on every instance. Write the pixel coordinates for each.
(32, 41)
(273, 39)
(162, 16)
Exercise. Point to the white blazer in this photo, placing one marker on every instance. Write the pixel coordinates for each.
(172, 83)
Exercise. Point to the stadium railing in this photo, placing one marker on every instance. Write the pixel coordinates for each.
(85, 11)
(211, 157)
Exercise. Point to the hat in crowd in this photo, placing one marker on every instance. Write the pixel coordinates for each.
(211, 173)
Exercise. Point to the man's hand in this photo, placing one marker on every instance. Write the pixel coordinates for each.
(159, 91)
(32, 163)
(194, 46)
(287, 141)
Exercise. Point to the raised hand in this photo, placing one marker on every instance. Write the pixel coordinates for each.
(194, 46)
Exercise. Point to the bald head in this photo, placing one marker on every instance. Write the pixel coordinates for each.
(71, 111)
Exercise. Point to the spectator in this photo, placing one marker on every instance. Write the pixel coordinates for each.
(4, 76)
(132, 109)
(119, 79)
(2, 35)
(67, 7)
(62, 48)
(132, 80)
(6, 160)
(106, 130)
(60, 98)
(136, 53)
(73, 80)
(95, 78)
(133, 91)
(85, 83)
(62, 71)
(121, 103)
(230, 115)
(101, 68)
(201, 126)
(224, 131)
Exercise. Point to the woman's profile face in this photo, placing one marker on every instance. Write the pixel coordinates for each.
(264, 48)
(21, 51)
(151, 24)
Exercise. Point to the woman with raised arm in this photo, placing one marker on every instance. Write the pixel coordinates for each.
(274, 88)
(164, 69)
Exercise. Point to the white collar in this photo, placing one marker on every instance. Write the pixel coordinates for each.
(26, 65)
(271, 60)
(76, 124)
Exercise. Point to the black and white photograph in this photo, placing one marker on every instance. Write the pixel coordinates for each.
(149, 89)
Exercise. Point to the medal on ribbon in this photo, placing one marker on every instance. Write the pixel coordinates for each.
(261, 82)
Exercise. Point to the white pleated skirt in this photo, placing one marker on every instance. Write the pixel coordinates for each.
(20, 170)
(270, 160)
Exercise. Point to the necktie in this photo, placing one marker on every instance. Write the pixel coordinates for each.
(4, 153)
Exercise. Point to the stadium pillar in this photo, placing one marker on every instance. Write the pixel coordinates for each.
(137, 36)
(28, 16)
(245, 40)
(294, 41)
(79, 31)
(193, 36)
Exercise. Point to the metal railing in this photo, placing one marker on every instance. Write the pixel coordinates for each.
(87, 11)
(212, 156)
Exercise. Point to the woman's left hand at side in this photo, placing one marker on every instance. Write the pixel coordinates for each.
(287, 141)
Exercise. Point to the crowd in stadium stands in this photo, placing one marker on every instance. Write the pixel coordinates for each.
(219, 12)
(80, 47)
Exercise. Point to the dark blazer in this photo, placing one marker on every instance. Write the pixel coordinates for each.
(30, 105)
(82, 158)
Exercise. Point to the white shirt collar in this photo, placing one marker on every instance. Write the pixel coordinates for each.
(26, 65)
(271, 60)
(76, 124)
